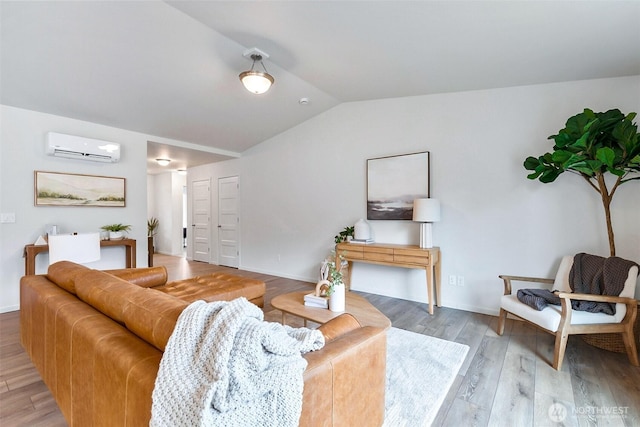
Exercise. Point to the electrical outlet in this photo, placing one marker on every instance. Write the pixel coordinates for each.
(460, 280)
(452, 280)
(7, 218)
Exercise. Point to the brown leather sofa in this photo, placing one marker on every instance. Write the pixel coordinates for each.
(97, 341)
(217, 286)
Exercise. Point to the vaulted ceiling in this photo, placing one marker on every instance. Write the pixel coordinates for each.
(171, 68)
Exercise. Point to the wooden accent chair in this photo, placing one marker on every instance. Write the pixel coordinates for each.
(563, 321)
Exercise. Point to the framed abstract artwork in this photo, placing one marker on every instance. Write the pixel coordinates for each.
(394, 182)
(68, 189)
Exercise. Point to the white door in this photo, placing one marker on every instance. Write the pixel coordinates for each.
(200, 226)
(228, 221)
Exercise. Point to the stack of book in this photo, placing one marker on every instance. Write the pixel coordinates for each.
(361, 241)
(310, 300)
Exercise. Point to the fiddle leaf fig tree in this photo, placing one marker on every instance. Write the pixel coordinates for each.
(593, 145)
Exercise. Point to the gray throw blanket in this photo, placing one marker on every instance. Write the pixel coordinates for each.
(590, 274)
(225, 366)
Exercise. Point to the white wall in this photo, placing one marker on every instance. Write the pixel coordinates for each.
(22, 152)
(151, 196)
(302, 187)
(167, 208)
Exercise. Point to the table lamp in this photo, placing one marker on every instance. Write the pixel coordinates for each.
(426, 212)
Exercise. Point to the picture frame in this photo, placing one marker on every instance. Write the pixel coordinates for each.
(394, 182)
(70, 189)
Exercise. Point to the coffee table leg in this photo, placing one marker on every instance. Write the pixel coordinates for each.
(284, 320)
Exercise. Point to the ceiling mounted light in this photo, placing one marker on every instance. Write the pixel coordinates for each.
(163, 162)
(253, 80)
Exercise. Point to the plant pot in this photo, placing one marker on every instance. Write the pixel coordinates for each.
(337, 298)
(116, 235)
(150, 250)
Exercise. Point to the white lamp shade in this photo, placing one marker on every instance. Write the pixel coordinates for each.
(256, 82)
(426, 210)
(79, 248)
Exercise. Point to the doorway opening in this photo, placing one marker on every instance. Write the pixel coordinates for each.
(184, 220)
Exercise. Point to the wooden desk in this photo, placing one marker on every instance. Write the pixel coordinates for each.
(406, 256)
(30, 252)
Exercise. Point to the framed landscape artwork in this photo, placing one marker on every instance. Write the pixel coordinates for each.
(68, 189)
(394, 182)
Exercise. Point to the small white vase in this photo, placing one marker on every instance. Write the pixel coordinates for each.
(115, 235)
(337, 298)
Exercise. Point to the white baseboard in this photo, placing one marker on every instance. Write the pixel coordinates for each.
(278, 274)
(9, 308)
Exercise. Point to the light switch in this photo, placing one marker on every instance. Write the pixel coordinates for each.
(7, 218)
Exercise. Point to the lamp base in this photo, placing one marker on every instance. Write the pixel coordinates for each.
(426, 235)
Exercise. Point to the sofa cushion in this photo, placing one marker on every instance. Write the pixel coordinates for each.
(146, 277)
(149, 314)
(152, 316)
(63, 274)
(106, 293)
(549, 317)
(215, 287)
(561, 282)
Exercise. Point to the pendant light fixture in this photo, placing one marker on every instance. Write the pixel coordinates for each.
(256, 81)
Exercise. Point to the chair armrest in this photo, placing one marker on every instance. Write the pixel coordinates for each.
(508, 279)
(598, 298)
(565, 301)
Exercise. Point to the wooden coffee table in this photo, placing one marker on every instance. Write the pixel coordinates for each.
(359, 307)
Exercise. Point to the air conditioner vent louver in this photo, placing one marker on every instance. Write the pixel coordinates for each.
(77, 147)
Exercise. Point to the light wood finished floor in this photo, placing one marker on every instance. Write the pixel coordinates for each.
(504, 381)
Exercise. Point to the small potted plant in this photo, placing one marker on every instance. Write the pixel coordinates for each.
(116, 231)
(345, 235)
(152, 230)
(152, 226)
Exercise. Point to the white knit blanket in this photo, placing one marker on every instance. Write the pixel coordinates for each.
(225, 366)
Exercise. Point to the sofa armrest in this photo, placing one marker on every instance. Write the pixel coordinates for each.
(147, 277)
(344, 382)
(339, 326)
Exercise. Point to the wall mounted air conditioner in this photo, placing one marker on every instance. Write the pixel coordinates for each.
(77, 147)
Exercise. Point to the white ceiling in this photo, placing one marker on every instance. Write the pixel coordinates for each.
(171, 69)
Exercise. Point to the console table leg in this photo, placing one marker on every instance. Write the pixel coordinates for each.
(30, 265)
(438, 279)
(430, 288)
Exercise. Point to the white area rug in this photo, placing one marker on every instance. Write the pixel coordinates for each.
(420, 371)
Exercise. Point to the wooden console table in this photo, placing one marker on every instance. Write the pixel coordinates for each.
(406, 256)
(30, 252)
